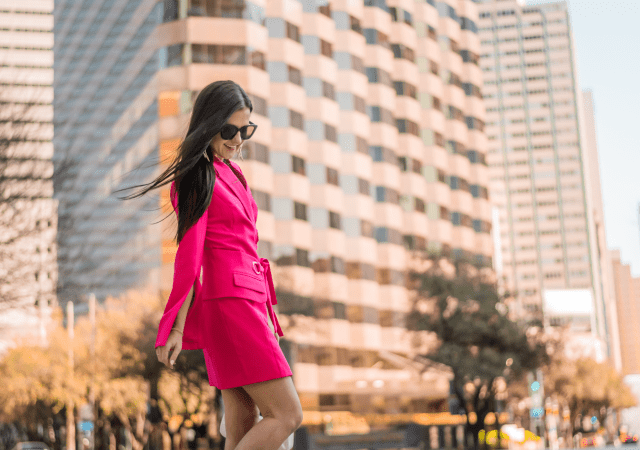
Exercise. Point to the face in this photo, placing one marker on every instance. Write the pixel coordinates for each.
(228, 148)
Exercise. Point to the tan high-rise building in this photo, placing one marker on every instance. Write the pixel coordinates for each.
(541, 156)
(602, 254)
(370, 146)
(627, 289)
(28, 214)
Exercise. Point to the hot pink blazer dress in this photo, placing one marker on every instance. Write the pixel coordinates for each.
(228, 318)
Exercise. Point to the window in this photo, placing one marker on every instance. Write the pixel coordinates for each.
(433, 67)
(296, 120)
(330, 133)
(328, 90)
(334, 220)
(377, 75)
(326, 48)
(295, 75)
(366, 228)
(332, 176)
(373, 36)
(364, 187)
(263, 200)
(259, 105)
(355, 24)
(293, 32)
(300, 211)
(404, 88)
(402, 51)
(255, 151)
(407, 126)
(298, 165)
(359, 104)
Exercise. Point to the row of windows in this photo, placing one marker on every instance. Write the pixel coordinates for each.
(321, 218)
(19, 11)
(175, 55)
(280, 28)
(345, 21)
(286, 255)
(317, 6)
(322, 262)
(401, 51)
(373, 36)
(347, 61)
(232, 9)
(313, 45)
(401, 15)
(327, 309)
(27, 30)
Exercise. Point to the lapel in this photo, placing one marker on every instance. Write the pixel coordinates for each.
(235, 185)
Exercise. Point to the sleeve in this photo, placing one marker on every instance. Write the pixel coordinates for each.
(186, 272)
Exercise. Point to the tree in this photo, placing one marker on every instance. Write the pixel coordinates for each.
(125, 372)
(460, 306)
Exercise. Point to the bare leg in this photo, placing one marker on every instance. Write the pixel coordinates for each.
(281, 411)
(240, 412)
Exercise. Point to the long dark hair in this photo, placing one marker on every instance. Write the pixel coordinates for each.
(193, 173)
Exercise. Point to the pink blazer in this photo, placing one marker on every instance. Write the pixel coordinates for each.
(223, 243)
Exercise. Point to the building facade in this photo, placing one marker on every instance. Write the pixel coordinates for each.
(371, 147)
(627, 289)
(105, 127)
(541, 160)
(28, 213)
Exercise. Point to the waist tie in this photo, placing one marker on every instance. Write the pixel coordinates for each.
(264, 262)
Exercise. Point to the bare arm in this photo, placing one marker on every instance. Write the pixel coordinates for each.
(184, 309)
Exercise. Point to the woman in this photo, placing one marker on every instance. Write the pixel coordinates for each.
(228, 315)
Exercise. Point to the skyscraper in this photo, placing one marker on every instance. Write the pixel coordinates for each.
(105, 125)
(627, 289)
(28, 216)
(370, 147)
(540, 159)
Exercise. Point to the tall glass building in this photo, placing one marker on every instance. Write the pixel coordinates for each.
(371, 149)
(105, 125)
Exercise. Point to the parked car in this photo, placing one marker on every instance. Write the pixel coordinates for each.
(31, 445)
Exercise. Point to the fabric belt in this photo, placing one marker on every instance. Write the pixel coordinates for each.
(266, 269)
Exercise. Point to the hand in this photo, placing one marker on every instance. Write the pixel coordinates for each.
(174, 342)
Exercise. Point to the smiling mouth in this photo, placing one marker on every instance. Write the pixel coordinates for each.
(230, 148)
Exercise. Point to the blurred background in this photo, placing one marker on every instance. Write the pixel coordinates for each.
(449, 201)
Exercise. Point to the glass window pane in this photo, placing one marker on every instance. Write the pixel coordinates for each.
(276, 27)
(316, 173)
(277, 71)
(312, 86)
(318, 218)
(281, 162)
(347, 143)
(282, 208)
(314, 130)
(279, 116)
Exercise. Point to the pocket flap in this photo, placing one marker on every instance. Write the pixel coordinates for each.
(249, 281)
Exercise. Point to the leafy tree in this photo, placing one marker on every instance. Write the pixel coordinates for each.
(460, 306)
(585, 386)
(123, 372)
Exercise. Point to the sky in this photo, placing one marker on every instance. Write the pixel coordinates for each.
(607, 40)
(607, 46)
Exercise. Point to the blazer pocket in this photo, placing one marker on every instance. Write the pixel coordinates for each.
(249, 281)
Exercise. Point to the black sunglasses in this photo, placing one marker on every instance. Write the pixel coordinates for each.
(228, 131)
